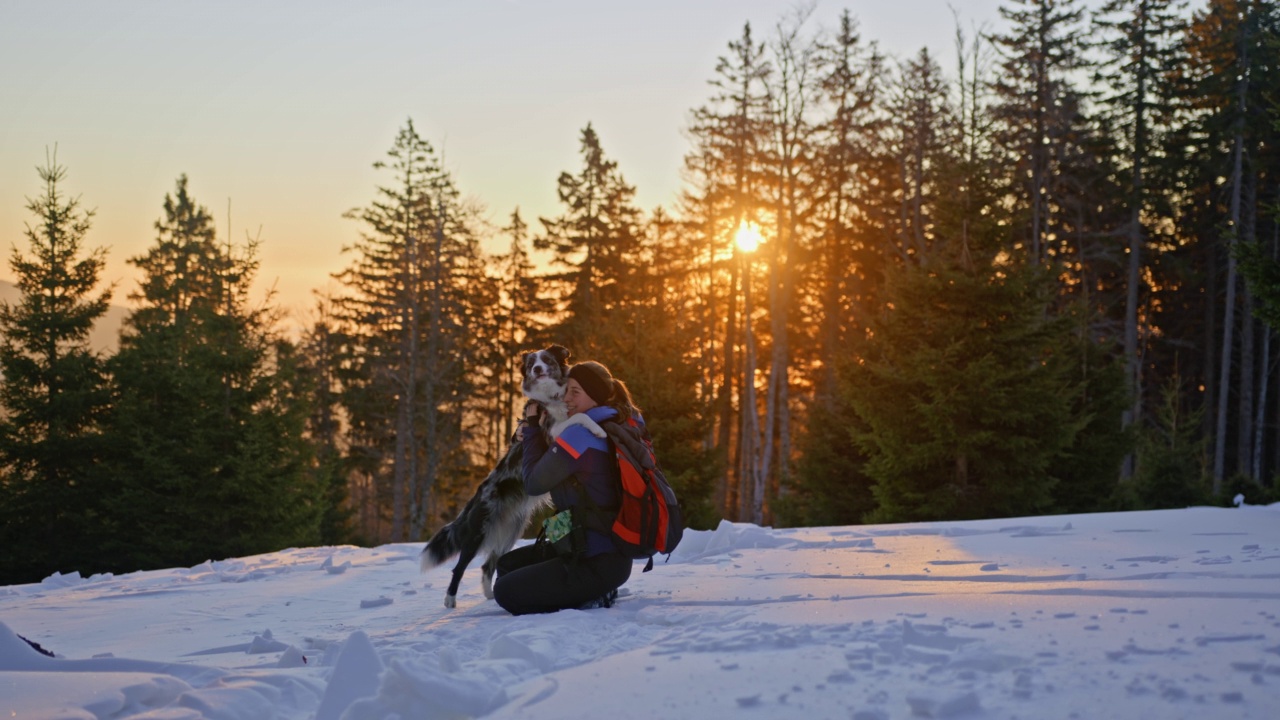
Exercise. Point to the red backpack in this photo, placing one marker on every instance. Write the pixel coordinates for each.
(648, 520)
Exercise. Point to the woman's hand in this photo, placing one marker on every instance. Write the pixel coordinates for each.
(532, 416)
(532, 410)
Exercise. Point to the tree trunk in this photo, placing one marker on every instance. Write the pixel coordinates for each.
(1228, 339)
(432, 441)
(400, 469)
(749, 437)
(1249, 368)
(406, 501)
(1136, 243)
(1266, 369)
(706, 353)
(725, 487)
(1209, 343)
(777, 377)
(1260, 426)
(1228, 326)
(1039, 161)
(1260, 413)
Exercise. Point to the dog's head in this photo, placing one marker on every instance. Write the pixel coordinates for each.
(545, 373)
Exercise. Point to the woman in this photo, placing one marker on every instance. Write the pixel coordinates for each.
(581, 473)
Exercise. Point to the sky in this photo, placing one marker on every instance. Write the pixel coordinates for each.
(1160, 614)
(277, 111)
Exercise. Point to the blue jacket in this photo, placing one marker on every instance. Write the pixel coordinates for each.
(576, 454)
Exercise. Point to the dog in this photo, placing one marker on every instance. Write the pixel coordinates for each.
(495, 517)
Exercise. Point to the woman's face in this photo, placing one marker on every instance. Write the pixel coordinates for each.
(576, 400)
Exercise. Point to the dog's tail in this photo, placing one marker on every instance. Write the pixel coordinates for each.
(442, 546)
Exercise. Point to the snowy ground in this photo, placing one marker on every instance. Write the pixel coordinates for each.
(1170, 614)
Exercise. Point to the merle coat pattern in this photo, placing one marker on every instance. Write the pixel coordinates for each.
(495, 517)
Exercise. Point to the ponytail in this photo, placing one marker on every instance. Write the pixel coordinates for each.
(621, 401)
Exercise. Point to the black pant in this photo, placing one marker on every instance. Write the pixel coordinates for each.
(533, 579)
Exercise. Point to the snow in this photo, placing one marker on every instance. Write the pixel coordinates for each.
(1170, 614)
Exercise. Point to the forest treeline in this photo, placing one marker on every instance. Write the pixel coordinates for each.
(1046, 281)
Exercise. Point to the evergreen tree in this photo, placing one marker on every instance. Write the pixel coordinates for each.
(490, 377)
(324, 426)
(969, 208)
(1185, 287)
(833, 487)
(1262, 274)
(731, 136)
(519, 319)
(829, 487)
(1037, 109)
(209, 458)
(1087, 472)
(1173, 465)
(963, 394)
(595, 241)
(1141, 49)
(1225, 148)
(923, 133)
(852, 79)
(407, 340)
(53, 393)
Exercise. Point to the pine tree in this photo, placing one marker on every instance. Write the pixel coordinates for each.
(1173, 464)
(1142, 53)
(1087, 473)
(790, 181)
(407, 341)
(595, 241)
(970, 208)
(1038, 108)
(833, 487)
(923, 135)
(851, 80)
(729, 161)
(963, 394)
(1226, 150)
(325, 428)
(53, 394)
(829, 487)
(520, 323)
(209, 458)
(1186, 287)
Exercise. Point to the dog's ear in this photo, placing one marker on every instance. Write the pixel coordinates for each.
(560, 352)
(526, 361)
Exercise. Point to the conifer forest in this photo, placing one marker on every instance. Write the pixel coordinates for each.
(1046, 280)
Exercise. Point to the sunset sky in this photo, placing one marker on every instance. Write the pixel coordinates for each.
(281, 108)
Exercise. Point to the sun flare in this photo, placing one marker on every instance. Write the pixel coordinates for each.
(748, 238)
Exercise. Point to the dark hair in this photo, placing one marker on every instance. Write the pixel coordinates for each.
(604, 388)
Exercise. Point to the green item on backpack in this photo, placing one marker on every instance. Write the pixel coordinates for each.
(557, 526)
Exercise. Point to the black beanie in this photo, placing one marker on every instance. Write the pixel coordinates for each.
(594, 379)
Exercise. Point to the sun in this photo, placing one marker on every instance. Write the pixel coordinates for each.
(747, 238)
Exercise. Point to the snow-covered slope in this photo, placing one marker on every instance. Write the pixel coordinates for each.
(1168, 614)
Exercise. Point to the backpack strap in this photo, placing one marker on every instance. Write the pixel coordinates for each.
(592, 515)
(628, 438)
(625, 438)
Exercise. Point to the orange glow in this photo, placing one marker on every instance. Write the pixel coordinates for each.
(748, 237)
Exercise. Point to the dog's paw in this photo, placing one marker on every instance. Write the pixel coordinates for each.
(580, 419)
(593, 427)
(450, 601)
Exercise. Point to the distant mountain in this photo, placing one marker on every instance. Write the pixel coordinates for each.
(106, 334)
